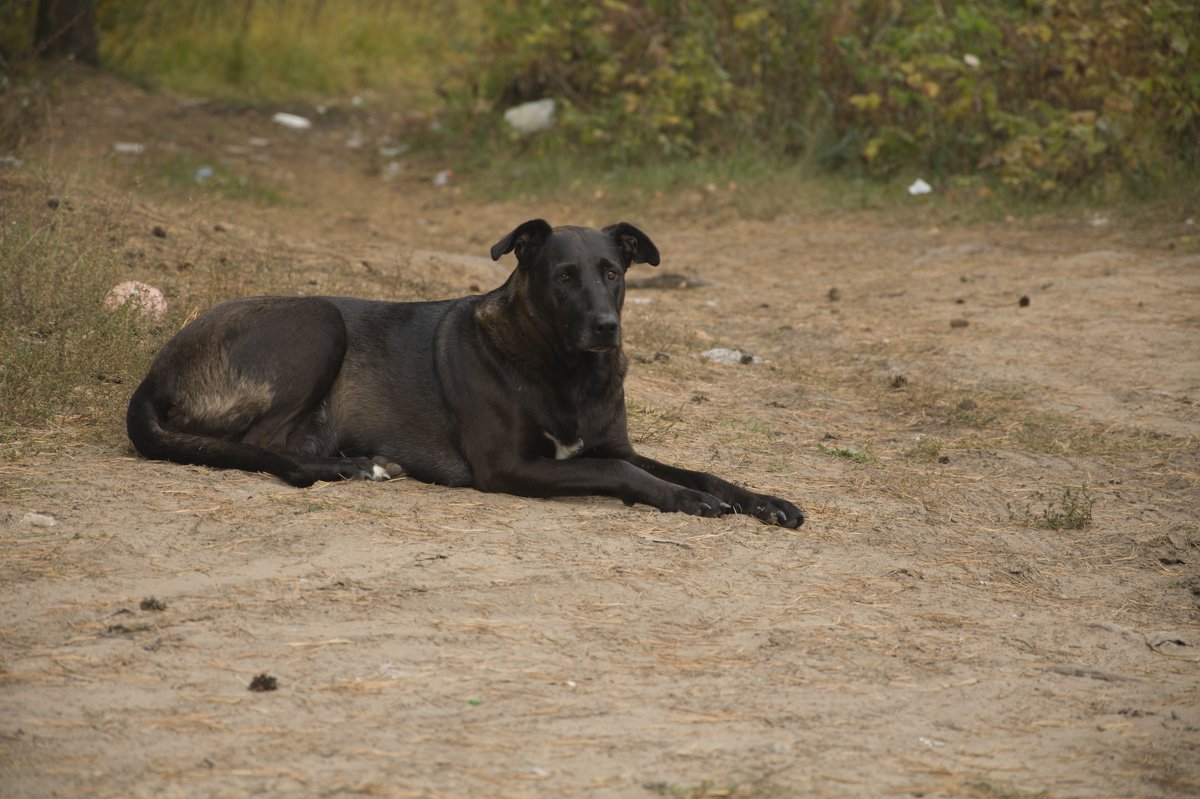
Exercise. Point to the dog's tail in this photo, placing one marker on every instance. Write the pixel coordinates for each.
(144, 422)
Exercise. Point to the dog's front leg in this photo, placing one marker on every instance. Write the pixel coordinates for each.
(772, 510)
(544, 477)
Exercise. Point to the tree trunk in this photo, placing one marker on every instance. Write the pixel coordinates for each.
(67, 28)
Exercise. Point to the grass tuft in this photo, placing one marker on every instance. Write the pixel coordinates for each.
(67, 357)
(192, 174)
(849, 453)
(1071, 510)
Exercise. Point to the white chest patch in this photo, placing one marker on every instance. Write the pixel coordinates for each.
(564, 451)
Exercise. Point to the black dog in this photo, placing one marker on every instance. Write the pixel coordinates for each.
(519, 390)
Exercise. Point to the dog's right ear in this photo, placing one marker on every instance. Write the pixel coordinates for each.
(525, 238)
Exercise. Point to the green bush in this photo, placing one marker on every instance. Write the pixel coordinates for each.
(1042, 96)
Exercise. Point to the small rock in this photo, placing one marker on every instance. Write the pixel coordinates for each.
(834, 294)
(144, 297)
(220, 228)
(959, 323)
(967, 405)
(38, 520)
(1024, 301)
(53, 203)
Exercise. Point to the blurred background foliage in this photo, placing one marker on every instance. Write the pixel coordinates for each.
(1041, 97)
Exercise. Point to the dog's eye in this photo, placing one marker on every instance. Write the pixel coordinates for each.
(612, 274)
(563, 277)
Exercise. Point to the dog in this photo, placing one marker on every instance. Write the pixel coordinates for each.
(519, 390)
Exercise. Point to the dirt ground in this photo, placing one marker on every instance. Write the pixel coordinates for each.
(927, 633)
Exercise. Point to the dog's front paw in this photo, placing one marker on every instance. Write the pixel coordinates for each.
(384, 468)
(772, 510)
(695, 503)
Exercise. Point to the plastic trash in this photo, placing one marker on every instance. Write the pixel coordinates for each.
(292, 121)
(531, 117)
(919, 187)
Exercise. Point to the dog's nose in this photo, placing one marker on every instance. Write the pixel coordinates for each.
(606, 324)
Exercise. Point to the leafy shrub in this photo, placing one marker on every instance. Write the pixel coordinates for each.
(1043, 95)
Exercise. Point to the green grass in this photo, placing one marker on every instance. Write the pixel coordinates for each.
(749, 184)
(926, 450)
(853, 454)
(211, 177)
(67, 358)
(273, 52)
(1070, 510)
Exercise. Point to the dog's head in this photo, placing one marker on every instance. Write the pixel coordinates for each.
(575, 277)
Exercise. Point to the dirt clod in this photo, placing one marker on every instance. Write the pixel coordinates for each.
(264, 682)
(159, 232)
(151, 603)
(1024, 301)
(959, 323)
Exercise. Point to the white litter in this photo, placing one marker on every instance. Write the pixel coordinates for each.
(919, 187)
(726, 355)
(972, 61)
(292, 121)
(532, 117)
(443, 178)
(129, 148)
(38, 520)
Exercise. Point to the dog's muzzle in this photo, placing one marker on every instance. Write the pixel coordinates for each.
(603, 333)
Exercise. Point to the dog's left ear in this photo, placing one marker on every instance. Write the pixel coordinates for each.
(635, 246)
(525, 238)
